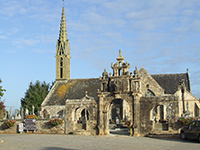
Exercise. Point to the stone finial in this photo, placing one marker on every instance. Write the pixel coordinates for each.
(131, 74)
(136, 72)
(120, 57)
(105, 74)
(111, 64)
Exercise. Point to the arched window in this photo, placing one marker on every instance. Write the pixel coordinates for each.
(61, 67)
(149, 93)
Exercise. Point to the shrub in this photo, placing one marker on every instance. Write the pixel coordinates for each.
(187, 120)
(56, 121)
(113, 122)
(127, 123)
(9, 123)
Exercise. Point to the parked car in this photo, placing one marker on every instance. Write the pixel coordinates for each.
(192, 130)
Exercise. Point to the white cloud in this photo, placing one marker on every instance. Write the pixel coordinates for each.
(12, 31)
(10, 51)
(24, 42)
(38, 51)
(11, 8)
(3, 37)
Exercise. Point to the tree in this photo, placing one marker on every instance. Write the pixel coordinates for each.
(1, 90)
(2, 106)
(34, 95)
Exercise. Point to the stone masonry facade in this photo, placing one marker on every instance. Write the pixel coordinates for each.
(88, 106)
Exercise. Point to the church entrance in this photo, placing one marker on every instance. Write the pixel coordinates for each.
(119, 117)
(84, 118)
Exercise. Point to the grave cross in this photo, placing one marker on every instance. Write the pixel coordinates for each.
(33, 109)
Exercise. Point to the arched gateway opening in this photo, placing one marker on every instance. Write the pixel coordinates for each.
(119, 117)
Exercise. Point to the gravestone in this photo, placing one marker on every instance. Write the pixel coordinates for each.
(26, 112)
(33, 110)
(30, 125)
(22, 113)
(10, 115)
(20, 128)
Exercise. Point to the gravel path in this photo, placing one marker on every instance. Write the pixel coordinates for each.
(77, 142)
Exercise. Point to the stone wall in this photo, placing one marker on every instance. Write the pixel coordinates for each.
(147, 104)
(53, 111)
(42, 124)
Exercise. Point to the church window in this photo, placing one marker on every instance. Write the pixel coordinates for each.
(61, 72)
(61, 67)
(149, 93)
(120, 72)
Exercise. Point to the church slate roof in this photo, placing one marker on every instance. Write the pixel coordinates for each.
(170, 82)
(74, 89)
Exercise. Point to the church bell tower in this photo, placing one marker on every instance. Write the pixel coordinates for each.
(63, 52)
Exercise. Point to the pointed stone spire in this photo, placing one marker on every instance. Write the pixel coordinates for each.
(63, 28)
(63, 52)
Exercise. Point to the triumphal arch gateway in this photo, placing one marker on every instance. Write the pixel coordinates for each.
(88, 106)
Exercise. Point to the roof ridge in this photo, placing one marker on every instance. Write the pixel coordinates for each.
(170, 74)
(84, 79)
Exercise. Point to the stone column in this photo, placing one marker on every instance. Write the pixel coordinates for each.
(68, 120)
(136, 115)
(101, 116)
(164, 112)
(158, 113)
(106, 123)
(85, 114)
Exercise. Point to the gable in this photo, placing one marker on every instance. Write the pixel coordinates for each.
(170, 82)
(149, 84)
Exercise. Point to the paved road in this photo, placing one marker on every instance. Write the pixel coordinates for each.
(76, 142)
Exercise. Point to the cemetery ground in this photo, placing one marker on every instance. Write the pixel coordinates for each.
(80, 142)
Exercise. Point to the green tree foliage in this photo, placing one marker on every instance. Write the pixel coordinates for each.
(1, 90)
(35, 95)
(2, 109)
(2, 106)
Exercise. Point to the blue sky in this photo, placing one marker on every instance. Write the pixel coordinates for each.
(161, 36)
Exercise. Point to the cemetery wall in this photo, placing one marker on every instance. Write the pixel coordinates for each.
(43, 127)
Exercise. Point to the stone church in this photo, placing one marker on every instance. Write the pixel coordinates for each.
(90, 105)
